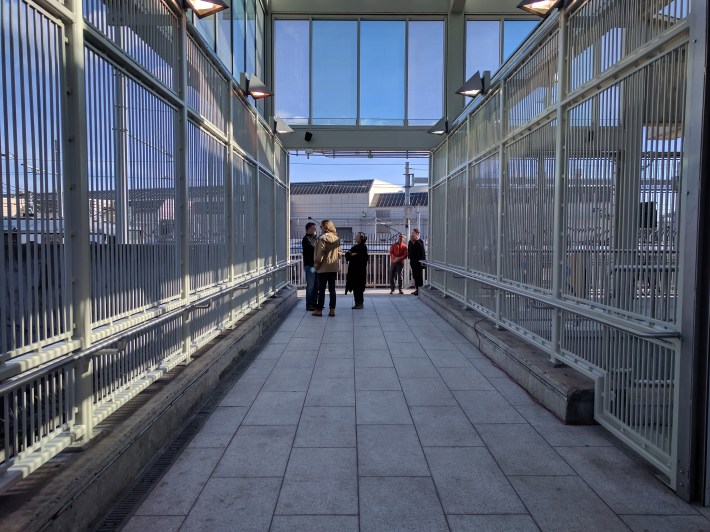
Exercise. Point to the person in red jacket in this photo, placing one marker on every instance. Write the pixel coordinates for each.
(398, 254)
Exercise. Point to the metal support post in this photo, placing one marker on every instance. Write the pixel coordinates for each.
(446, 222)
(407, 211)
(466, 221)
(182, 221)
(274, 231)
(499, 218)
(691, 443)
(257, 233)
(76, 206)
(121, 220)
(558, 229)
(229, 200)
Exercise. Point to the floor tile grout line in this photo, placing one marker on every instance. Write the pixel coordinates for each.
(479, 436)
(233, 436)
(241, 422)
(293, 446)
(400, 309)
(426, 460)
(294, 433)
(357, 440)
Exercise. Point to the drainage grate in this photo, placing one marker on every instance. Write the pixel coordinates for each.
(155, 470)
(124, 509)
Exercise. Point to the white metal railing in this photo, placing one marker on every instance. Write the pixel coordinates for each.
(377, 271)
(131, 175)
(557, 206)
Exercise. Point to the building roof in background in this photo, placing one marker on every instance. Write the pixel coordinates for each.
(332, 187)
(396, 199)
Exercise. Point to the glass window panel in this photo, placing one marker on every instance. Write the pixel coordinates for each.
(425, 72)
(224, 37)
(260, 104)
(334, 72)
(514, 33)
(250, 45)
(205, 27)
(239, 29)
(260, 41)
(382, 78)
(291, 70)
(482, 46)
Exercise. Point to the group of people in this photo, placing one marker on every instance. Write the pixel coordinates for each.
(415, 252)
(321, 262)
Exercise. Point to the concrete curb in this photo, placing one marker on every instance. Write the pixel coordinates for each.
(568, 394)
(74, 490)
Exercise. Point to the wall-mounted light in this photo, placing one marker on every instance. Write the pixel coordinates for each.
(440, 128)
(205, 8)
(541, 8)
(253, 86)
(476, 84)
(281, 127)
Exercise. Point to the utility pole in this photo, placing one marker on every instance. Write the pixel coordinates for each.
(407, 200)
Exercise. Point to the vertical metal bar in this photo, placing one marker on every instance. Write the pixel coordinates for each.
(502, 171)
(229, 193)
(357, 111)
(406, 74)
(445, 256)
(688, 360)
(466, 222)
(181, 182)
(558, 240)
(77, 199)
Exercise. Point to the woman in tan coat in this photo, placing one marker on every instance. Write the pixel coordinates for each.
(327, 263)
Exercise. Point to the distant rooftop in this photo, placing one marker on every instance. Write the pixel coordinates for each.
(333, 187)
(396, 199)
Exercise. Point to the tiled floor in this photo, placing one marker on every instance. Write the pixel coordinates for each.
(388, 419)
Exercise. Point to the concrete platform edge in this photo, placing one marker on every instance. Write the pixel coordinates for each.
(563, 391)
(81, 493)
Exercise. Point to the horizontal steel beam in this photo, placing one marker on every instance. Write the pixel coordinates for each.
(360, 138)
(619, 323)
(197, 304)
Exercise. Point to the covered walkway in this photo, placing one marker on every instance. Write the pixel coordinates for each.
(389, 419)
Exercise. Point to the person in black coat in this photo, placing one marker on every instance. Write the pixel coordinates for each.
(416, 254)
(357, 270)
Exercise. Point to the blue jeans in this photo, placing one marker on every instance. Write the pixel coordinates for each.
(311, 286)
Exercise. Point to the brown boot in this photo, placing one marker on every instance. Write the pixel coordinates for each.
(331, 312)
(317, 313)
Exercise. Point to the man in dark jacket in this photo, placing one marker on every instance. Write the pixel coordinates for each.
(416, 253)
(309, 247)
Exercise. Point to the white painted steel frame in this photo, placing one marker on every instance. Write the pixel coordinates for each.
(54, 392)
(628, 339)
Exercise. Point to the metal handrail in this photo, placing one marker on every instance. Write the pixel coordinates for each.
(26, 377)
(635, 329)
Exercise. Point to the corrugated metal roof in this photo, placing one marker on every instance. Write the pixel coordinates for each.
(396, 199)
(332, 187)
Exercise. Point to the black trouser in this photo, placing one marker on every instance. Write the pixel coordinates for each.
(396, 274)
(359, 295)
(328, 278)
(417, 273)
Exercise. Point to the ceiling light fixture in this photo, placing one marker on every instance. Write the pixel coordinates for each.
(476, 85)
(440, 128)
(541, 8)
(254, 87)
(204, 8)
